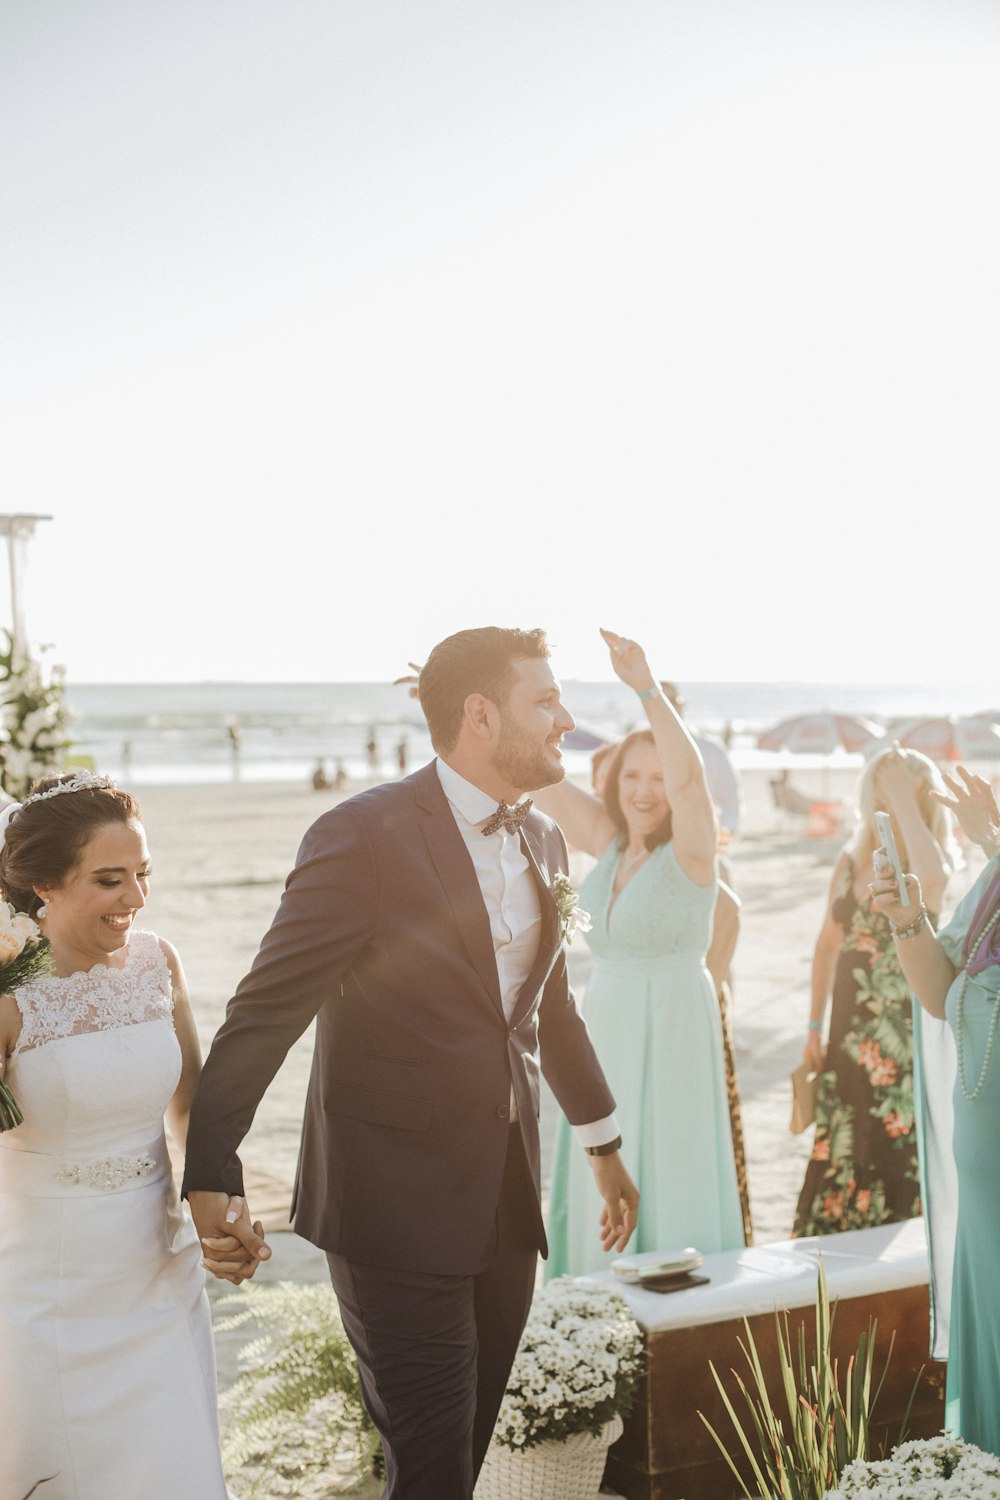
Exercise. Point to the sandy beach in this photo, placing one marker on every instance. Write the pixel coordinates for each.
(220, 855)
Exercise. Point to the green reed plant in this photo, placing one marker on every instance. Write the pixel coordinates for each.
(799, 1438)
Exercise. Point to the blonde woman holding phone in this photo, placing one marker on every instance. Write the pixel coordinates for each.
(863, 1170)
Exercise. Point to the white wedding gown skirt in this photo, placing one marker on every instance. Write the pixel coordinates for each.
(107, 1369)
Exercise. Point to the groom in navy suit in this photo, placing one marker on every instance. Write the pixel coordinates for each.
(420, 928)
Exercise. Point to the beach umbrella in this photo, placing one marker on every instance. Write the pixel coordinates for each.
(820, 734)
(951, 737)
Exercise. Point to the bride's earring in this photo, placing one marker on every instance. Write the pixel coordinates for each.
(42, 911)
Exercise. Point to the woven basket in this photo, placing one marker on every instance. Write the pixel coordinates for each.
(571, 1469)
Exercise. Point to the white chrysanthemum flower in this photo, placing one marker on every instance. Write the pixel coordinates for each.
(578, 1359)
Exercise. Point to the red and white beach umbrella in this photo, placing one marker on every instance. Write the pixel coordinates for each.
(950, 737)
(820, 734)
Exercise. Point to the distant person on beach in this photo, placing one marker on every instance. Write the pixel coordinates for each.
(651, 1005)
(864, 1170)
(420, 929)
(371, 750)
(320, 780)
(955, 975)
(788, 797)
(235, 746)
(339, 776)
(402, 753)
(107, 1367)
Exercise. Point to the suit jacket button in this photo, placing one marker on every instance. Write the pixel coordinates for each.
(503, 1112)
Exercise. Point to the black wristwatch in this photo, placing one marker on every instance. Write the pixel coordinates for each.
(608, 1149)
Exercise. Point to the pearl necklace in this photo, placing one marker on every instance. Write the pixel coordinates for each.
(960, 1021)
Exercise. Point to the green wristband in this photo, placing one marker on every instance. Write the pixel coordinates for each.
(648, 693)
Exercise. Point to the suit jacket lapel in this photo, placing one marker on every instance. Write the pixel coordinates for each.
(458, 876)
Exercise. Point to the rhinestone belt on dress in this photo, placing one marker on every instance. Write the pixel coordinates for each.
(107, 1172)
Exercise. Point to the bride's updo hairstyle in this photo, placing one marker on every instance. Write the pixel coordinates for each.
(44, 839)
(664, 830)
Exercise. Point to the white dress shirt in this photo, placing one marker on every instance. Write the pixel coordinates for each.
(511, 898)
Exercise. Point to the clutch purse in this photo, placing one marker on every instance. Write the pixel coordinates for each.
(803, 1098)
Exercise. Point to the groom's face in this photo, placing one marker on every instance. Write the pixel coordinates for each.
(532, 723)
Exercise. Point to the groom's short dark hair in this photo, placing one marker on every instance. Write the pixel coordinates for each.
(471, 661)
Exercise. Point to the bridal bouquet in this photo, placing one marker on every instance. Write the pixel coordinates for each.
(23, 954)
(576, 1367)
(939, 1468)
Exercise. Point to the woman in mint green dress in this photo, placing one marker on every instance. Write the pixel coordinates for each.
(956, 977)
(651, 1005)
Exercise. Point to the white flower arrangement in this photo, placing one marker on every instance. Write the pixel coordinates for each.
(33, 721)
(572, 917)
(938, 1468)
(576, 1366)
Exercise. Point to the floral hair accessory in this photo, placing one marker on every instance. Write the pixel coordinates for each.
(572, 917)
(82, 781)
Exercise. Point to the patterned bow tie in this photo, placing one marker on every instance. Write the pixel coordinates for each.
(510, 818)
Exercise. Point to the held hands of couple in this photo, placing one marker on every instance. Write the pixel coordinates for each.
(621, 1201)
(233, 1246)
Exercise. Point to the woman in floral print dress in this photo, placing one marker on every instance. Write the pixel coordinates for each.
(863, 1170)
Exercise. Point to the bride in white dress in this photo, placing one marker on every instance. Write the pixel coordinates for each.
(107, 1370)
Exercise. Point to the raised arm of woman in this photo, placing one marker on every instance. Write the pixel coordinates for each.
(924, 855)
(928, 969)
(824, 964)
(974, 804)
(695, 831)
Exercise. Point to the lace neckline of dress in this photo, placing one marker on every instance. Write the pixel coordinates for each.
(99, 969)
(97, 999)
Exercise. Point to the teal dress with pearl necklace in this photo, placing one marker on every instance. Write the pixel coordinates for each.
(972, 1009)
(653, 1016)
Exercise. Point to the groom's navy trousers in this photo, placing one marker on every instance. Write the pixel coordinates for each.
(411, 1176)
(434, 1352)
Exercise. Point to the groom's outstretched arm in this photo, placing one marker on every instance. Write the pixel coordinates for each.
(326, 916)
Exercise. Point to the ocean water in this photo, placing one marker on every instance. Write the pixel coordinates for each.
(215, 732)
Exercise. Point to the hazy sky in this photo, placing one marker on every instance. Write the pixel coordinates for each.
(331, 326)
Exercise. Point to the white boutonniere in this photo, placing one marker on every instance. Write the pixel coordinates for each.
(572, 917)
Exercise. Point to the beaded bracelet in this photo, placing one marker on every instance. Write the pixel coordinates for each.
(815, 1026)
(647, 693)
(917, 925)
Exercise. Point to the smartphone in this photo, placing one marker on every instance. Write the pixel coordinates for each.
(883, 824)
